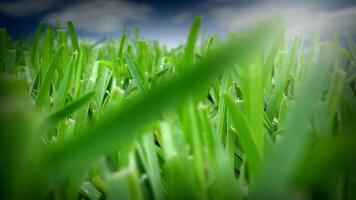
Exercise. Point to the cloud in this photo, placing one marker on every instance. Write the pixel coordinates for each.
(101, 16)
(299, 19)
(24, 8)
(182, 17)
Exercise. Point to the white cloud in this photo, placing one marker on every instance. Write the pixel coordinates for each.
(299, 19)
(24, 8)
(101, 16)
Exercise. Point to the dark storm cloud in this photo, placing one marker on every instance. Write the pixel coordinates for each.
(21, 8)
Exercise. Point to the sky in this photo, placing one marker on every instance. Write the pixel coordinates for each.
(169, 21)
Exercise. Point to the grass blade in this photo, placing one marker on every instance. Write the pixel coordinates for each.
(59, 115)
(73, 36)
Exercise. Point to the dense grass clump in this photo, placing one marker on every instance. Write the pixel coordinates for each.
(250, 116)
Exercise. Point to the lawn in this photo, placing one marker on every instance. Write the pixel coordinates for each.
(248, 116)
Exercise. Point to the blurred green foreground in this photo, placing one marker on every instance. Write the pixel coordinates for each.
(251, 116)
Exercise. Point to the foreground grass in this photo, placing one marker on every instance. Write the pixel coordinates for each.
(250, 117)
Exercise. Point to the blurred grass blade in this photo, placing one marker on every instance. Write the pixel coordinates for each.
(333, 97)
(35, 56)
(281, 164)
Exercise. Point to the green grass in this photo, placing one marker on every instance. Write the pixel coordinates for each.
(251, 116)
